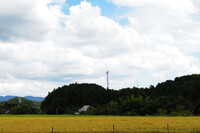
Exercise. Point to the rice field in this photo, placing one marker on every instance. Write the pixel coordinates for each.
(97, 124)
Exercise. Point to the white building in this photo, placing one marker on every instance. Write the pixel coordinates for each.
(83, 109)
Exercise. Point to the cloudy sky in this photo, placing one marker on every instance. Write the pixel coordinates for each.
(45, 44)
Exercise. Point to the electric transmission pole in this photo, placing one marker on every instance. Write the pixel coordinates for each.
(107, 80)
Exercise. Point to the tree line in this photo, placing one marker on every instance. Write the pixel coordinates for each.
(180, 96)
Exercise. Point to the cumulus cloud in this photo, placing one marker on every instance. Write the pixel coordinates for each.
(22, 87)
(45, 48)
(178, 6)
(87, 29)
(30, 20)
(173, 21)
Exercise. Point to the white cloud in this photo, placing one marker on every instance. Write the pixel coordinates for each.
(58, 1)
(172, 22)
(22, 87)
(177, 6)
(87, 29)
(30, 20)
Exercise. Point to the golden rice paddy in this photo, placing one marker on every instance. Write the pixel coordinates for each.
(97, 124)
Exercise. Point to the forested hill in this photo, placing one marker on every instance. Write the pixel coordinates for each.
(186, 86)
(178, 97)
(68, 98)
(20, 105)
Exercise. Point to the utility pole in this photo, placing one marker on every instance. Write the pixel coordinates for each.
(107, 80)
(20, 101)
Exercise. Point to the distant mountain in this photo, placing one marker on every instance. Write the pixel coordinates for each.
(40, 99)
(6, 98)
(22, 100)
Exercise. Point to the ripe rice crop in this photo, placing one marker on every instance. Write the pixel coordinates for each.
(97, 124)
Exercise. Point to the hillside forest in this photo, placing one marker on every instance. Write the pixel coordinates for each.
(180, 96)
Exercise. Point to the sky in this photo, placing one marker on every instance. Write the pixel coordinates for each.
(45, 44)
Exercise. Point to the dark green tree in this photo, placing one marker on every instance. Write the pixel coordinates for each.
(21, 109)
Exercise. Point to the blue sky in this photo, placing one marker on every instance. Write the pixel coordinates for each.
(108, 9)
(51, 43)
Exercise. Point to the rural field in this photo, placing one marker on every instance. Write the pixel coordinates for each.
(95, 124)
